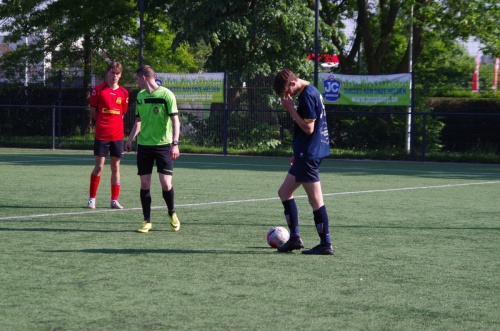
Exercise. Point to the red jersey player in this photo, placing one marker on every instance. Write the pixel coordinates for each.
(108, 105)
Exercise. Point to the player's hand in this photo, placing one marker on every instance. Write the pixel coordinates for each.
(128, 146)
(287, 102)
(174, 152)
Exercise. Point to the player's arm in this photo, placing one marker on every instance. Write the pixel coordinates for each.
(93, 111)
(94, 102)
(133, 133)
(306, 125)
(176, 126)
(125, 104)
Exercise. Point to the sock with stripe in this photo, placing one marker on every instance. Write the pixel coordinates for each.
(292, 217)
(321, 222)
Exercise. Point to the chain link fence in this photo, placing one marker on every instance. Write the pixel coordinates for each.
(54, 114)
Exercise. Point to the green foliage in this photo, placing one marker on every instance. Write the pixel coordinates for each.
(252, 38)
(89, 34)
(245, 131)
(158, 51)
(370, 130)
(481, 131)
(382, 29)
(443, 66)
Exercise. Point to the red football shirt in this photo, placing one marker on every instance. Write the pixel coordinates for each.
(110, 107)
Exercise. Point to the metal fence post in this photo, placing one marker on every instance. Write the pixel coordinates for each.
(225, 116)
(59, 78)
(412, 118)
(53, 127)
(424, 135)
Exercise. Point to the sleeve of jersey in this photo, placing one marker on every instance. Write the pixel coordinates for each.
(94, 101)
(308, 110)
(172, 103)
(137, 103)
(125, 104)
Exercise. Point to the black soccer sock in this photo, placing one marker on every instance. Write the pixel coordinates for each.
(146, 204)
(321, 221)
(168, 196)
(292, 217)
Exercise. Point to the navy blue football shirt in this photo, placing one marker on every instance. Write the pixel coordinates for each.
(310, 107)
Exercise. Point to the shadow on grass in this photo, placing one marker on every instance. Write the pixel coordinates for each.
(68, 207)
(396, 227)
(413, 227)
(154, 251)
(65, 230)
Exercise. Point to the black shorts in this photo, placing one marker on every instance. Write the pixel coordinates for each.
(305, 171)
(147, 155)
(103, 147)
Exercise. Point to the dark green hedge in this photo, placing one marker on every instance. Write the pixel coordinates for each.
(470, 124)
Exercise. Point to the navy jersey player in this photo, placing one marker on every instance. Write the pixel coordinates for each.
(310, 146)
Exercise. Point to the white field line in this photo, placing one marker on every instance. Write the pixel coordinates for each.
(249, 200)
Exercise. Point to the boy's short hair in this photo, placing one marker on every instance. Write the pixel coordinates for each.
(282, 81)
(116, 66)
(146, 71)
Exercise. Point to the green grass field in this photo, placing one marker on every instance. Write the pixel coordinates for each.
(417, 247)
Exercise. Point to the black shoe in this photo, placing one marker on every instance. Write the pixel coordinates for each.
(320, 250)
(291, 244)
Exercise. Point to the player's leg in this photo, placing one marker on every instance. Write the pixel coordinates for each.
(285, 193)
(165, 167)
(315, 196)
(116, 152)
(168, 196)
(99, 165)
(146, 196)
(167, 191)
(101, 149)
(145, 163)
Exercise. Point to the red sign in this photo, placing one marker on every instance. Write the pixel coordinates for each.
(495, 74)
(324, 58)
(475, 77)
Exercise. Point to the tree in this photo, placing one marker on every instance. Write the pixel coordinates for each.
(158, 50)
(256, 37)
(489, 35)
(382, 28)
(443, 66)
(74, 32)
(90, 34)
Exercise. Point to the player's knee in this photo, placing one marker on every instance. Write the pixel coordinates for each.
(97, 170)
(283, 194)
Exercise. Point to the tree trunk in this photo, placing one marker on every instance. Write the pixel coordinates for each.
(87, 126)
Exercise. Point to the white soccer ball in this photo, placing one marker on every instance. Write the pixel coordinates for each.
(277, 236)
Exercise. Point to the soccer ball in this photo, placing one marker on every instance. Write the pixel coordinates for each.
(277, 236)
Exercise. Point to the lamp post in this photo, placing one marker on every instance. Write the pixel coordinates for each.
(316, 43)
(141, 29)
(409, 114)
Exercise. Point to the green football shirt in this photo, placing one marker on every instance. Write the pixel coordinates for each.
(154, 110)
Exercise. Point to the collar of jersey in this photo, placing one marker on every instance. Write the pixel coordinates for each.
(302, 88)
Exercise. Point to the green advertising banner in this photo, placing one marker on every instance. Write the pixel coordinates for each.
(366, 90)
(194, 89)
